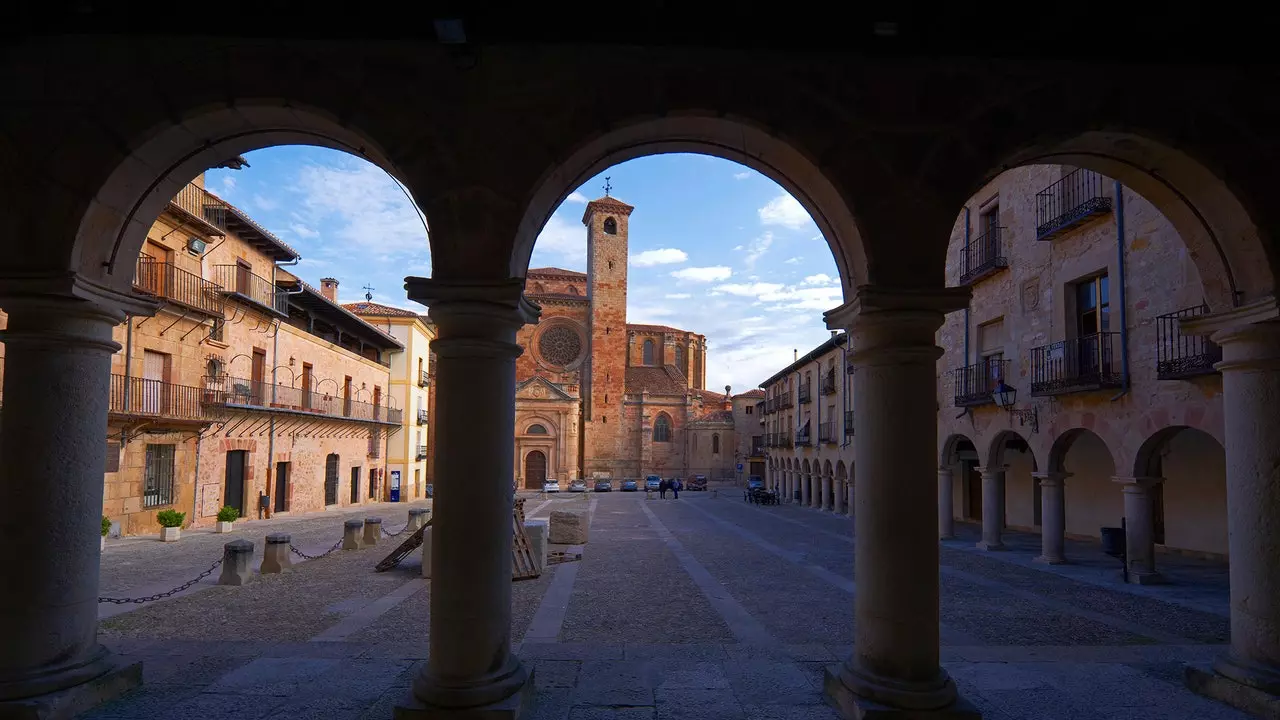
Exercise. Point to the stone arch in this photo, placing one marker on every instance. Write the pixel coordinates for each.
(1004, 441)
(535, 466)
(536, 429)
(735, 139)
(952, 445)
(610, 226)
(1190, 506)
(1062, 445)
(1091, 496)
(1236, 259)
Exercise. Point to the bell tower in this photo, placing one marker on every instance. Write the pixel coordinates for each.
(605, 370)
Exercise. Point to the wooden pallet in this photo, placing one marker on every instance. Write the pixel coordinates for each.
(523, 564)
(556, 557)
(413, 542)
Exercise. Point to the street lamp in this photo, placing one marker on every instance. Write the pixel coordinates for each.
(1005, 397)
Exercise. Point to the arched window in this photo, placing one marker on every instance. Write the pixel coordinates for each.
(648, 352)
(536, 429)
(715, 444)
(610, 226)
(662, 429)
(572, 290)
(680, 360)
(537, 288)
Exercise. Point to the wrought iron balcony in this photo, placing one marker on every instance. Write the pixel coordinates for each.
(848, 423)
(421, 453)
(806, 393)
(827, 432)
(983, 256)
(1181, 356)
(196, 205)
(829, 382)
(248, 394)
(779, 440)
(1091, 362)
(785, 401)
(769, 405)
(422, 417)
(140, 397)
(973, 384)
(1073, 200)
(757, 445)
(239, 283)
(166, 281)
(424, 378)
(804, 438)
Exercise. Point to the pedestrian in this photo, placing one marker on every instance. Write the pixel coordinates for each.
(662, 489)
(675, 488)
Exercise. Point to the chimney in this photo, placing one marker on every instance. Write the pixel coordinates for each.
(329, 289)
(728, 398)
(795, 354)
(834, 333)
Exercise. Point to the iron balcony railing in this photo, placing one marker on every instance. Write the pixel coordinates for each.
(198, 204)
(757, 445)
(848, 423)
(424, 378)
(1090, 362)
(1074, 199)
(779, 440)
(421, 453)
(155, 398)
(422, 417)
(1181, 356)
(829, 382)
(785, 401)
(983, 256)
(226, 390)
(827, 432)
(804, 438)
(239, 282)
(973, 384)
(166, 281)
(806, 393)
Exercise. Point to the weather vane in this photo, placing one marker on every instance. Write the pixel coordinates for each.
(368, 293)
(607, 186)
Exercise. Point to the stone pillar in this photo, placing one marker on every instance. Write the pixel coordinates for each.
(992, 507)
(1248, 676)
(895, 664)
(827, 497)
(1139, 533)
(837, 495)
(849, 504)
(275, 554)
(946, 504)
(1053, 517)
(417, 518)
(236, 556)
(470, 669)
(57, 373)
(351, 531)
(806, 490)
(372, 531)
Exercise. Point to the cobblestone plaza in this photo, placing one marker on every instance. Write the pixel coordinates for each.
(743, 608)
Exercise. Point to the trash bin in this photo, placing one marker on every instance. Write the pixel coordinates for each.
(1113, 539)
(395, 494)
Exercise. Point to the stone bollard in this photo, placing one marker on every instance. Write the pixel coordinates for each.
(275, 556)
(568, 527)
(537, 532)
(372, 530)
(426, 552)
(236, 556)
(351, 534)
(417, 518)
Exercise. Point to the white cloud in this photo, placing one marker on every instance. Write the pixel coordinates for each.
(561, 243)
(819, 279)
(265, 204)
(661, 256)
(786, 211)
(737, 247)
(758, 248)
(303, 231)
(741, 175)
(228, 184)
(360, 209)
(677, 296)
(576, 197)
(793, 261)
(703, 274)
(748, 289)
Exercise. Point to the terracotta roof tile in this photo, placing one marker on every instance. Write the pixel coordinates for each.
(658, 329)
(665, 380)
(751, 394)
(554, 272)
(716, 416)
(377, 310)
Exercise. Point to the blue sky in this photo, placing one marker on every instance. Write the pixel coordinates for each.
(716, 248)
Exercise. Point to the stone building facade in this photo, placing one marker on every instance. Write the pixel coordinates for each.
(808, 429)
(598, 397)
(1078, 285)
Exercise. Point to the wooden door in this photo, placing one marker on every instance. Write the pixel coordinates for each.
(355, 485)
(535, 470)
(258, 372)
(153, 371)
(306, 386)
(233, 482)
(331, 479)
(282, 486)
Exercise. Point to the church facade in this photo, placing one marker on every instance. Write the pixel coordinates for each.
(598, 397)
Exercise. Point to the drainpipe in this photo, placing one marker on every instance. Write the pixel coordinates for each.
(844, 398)
(271, 424)
(195, 486)
(1124, 324)
(966, 307)
(128, 357)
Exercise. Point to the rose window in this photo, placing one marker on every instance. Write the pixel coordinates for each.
(560, 345)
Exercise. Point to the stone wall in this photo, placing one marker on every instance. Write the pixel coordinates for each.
(604, 386)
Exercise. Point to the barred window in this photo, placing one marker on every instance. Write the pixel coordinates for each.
(157, 486)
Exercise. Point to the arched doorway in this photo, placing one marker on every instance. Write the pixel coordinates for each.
(1189, 504)
(535, 470)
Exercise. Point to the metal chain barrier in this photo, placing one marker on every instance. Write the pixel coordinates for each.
(394, 534)
(293, 548)
(161, 596)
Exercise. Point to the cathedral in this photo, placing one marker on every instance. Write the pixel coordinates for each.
(597, 397)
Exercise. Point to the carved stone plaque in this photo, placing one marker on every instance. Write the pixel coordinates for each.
(1031, 294)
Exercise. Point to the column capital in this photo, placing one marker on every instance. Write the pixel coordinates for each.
(871, 299)
(889, 326)
(1052, 478)
(468, 312)
(64, 310)
(1137, 484)
(992, 469)
(54, 290)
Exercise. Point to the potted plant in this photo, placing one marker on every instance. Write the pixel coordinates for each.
(226, 519)
(106, 528)
(170, 524)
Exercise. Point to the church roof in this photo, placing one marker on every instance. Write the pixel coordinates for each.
(658, 329)
(708, 396)
(606, 203)
(715, 416)
(555, 272)
(377, 310)
(665, 380)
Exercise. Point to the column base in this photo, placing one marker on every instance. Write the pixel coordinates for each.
(855, 707)
(511, 707)
(1151, 578)
(991, 547)
(1045, 560)
(122, 676)
(1215, 686)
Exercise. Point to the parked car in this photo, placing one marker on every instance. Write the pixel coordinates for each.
(697, 482)
(578, 485)
(755, 482)
(630, 486)
(652, 482)
(551, 486)
(604, 486)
